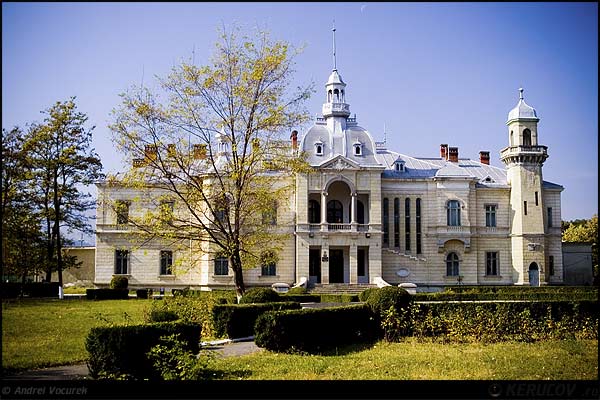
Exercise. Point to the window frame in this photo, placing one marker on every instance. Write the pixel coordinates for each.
(492, 263)
(549, 218)
(386, 220)
(491, 220)
(407, 224)
(122, 212)
(166, 269)
(219, 263)
(452, 265)
(453, 220)
(314, 212)
(119, 260)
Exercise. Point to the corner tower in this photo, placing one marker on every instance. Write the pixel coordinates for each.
(524, 158)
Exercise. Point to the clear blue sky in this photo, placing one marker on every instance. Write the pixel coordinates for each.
(432, 72)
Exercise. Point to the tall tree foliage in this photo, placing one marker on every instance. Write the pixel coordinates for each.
(63, 161)
(586, 231)
(208, 144)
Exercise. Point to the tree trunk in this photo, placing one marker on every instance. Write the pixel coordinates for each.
(238, 276)
(59, 261)
(49, 249)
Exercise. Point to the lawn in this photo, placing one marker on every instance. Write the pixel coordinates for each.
(41, 333)
(413, 360)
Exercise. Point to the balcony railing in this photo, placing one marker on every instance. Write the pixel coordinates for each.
(113, 227)
(523, 149)
(337, 227)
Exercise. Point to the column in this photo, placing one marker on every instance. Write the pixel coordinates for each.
(353, 264)
(353, 212)
(324, 211)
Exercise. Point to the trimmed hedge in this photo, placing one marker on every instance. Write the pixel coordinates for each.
(237, 320)
(534, 294)
(338, 298)
(365, 294)
(121, 350)
(297, 290)
(315, 330)
(107, 294)
(11, 290)
(524, 321)
(162, 316)
(144, 293)
(260, 295)
(302, 298)
(382, 299)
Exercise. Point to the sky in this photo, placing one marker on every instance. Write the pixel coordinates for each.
(431, 73)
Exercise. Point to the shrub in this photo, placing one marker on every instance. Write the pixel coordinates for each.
(302, 298)
(162, 316)
(119, 282)
(365, 294)
(382, 299)
(237, 320)
(297, 290)
(41, 289)
(260, 295)
(315, 330)
(107, 294)
(122, 350)
(338, 298)
(143, 293)
(173, 361)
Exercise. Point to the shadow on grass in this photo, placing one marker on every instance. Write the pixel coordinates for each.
(335, 351)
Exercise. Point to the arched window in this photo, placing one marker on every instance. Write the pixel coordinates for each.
(357, 149)
(360, 212)
(526, 137)
(314, 212)
(319, 148)
(335, 212)
(512, 141)
(453, 213)
(329, 96)
(343, 98)
(452, 267)
(336, 94)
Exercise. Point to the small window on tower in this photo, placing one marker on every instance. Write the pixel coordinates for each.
(357, 149)
(319, 148)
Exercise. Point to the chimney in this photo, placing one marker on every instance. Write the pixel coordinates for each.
(484, 157)
(444, 151)
(150, 152)
(294, 138)
(199, 151)
(453, 154)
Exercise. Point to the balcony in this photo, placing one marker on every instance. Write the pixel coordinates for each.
(336, 109)
(515, 154)
(336, 227)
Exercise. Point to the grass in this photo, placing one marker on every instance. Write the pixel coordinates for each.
(413, 360)
(41, 333)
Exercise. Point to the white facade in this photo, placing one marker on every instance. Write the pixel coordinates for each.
(368, 213)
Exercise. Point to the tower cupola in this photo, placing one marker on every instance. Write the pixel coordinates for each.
(335, 88)
(522, 111)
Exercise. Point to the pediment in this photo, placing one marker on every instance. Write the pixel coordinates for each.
(339, 163)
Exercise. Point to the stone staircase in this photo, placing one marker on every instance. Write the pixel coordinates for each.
(340, 288)
(399, 253)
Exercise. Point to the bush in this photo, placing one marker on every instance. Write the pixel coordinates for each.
(541, 293)
(173, 362)
(10, 290)
(41, 289)
(315, 330)
(237, 320)
(162, 316)
(143, 293)
(119, 282)
(365, 294)
(338, 298)
(382, 299)
(297, 290)
(260, 295)
(122, 350)
(107, 294)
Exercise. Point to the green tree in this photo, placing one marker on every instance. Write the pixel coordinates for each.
(585, 231)
(60, 153)
(208, 144)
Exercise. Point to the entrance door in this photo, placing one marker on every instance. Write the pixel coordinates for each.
(336, 266)
(314, 265)
(534, 275)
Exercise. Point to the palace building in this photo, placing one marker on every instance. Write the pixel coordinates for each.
(370, 215)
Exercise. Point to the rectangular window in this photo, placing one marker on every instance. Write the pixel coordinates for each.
(122, 210)
(536, 198)
(407, 223)
(396, 222)
(418, 221)
(490, 215)
(166, 262)
(491, 263)
(269, 216)
(525, 207)
(221, 266)
(121, 262)
(453, 213)
(360, 262)
(550, 222)
(386, 217)
(269, 269)
(551, 265)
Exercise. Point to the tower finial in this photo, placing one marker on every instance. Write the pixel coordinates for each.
(334, 62)
(521, 93)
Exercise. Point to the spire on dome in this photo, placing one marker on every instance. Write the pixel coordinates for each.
(522, 110)
(521, 94)
(334, 60)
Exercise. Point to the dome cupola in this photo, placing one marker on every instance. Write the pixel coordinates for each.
(522, 110)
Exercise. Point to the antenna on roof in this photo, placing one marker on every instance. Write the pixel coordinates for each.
(334, 62)
(384, 134)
